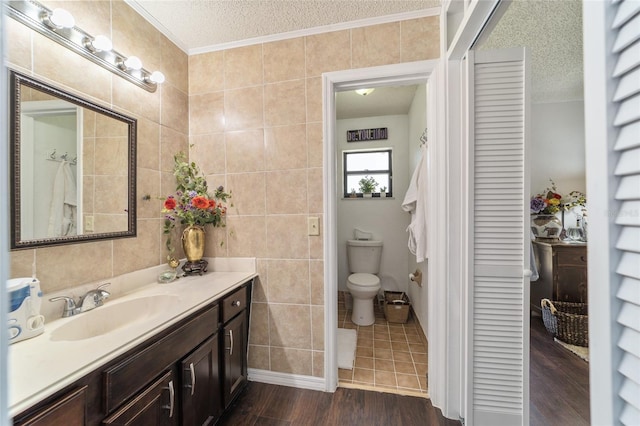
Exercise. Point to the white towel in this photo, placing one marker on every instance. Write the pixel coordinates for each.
(415, 202)
(533, 264)
(62, 214)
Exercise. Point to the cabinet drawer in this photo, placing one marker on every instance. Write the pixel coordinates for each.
(126, 378)
(68, 410)
(234, 303)
(156, 405)
(576, 257)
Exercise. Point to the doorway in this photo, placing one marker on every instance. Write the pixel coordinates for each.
(393, 75)
(378, 136)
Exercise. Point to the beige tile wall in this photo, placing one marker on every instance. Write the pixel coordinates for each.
(256, 127)
(162, 130)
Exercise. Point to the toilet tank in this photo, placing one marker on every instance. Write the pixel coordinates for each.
(364, 256)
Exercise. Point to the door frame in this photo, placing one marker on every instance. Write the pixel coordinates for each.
(419, 72)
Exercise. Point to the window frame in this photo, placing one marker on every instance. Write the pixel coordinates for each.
(345, 173)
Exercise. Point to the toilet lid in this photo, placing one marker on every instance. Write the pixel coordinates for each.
(364, 280)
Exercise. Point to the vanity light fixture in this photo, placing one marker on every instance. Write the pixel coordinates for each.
(99, 44)
(156, 77)
(364, 92)
(131, 63)
(59, 26)
(58, 19)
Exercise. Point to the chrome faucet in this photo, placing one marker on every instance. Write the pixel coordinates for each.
(94, 298)
(89, 301)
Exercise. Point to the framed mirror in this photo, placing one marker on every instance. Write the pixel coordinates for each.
(73, 167)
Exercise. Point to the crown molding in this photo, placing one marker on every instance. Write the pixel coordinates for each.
(404, 16)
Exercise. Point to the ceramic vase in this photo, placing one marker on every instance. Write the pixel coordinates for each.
(193, 243)
(546, 227)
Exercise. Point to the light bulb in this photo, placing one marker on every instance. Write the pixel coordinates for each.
(102, 43)
(157, 77)
(133, 62)
(60, 18)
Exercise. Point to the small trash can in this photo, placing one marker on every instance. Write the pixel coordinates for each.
(396, 307)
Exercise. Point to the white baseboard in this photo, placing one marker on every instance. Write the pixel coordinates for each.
(286, 379)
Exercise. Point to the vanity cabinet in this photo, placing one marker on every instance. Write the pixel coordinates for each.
(562, 270)
(235, 334)
(185, 375)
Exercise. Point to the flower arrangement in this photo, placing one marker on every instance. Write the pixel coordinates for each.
(550, 201)
(192, 204)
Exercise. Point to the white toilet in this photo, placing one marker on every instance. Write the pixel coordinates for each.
(363, 257)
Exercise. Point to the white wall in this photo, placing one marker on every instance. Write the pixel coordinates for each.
(417, 124)
(558, 149)
(383, 217)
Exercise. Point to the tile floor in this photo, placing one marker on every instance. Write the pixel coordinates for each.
(390, 357)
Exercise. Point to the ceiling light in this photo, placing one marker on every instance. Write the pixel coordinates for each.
(156, 77)
(99, 44)
(59, 18)
(132, 63)
(364, 92)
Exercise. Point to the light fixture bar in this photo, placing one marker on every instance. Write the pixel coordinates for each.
(30, 13)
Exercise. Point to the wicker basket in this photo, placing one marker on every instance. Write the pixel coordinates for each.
(571, 320)
(396, 307)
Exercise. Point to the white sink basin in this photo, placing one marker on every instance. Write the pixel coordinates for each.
(112, 316)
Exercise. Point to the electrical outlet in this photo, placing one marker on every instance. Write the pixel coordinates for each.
(313, 224)
(88, 223)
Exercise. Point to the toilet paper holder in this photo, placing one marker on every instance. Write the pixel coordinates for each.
(416, 277)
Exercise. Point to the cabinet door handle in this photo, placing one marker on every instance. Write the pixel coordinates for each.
(230, 342)
(172, 396)
(236, 303)
(583, 258)
(193, 379)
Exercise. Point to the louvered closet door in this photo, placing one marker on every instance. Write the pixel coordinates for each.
(626, 76)
(498, 297)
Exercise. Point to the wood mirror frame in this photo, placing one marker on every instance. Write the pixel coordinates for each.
(20, 83)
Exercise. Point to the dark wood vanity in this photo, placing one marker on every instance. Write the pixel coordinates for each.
(563, 273)
(187, 374)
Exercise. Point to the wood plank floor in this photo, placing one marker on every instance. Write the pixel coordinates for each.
(266, 405)
(559, 382)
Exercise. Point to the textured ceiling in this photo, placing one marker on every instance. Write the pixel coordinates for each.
(200, 25)
(552, 29)
(394, 100)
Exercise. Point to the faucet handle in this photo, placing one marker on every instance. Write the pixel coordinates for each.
(103, 294)
(69, 305)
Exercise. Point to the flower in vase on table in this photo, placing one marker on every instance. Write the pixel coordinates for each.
(550, 201)
(192, 204)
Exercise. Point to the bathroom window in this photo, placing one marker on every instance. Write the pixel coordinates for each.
(359, 165)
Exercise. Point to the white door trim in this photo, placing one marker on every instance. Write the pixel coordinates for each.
(400, 74)
(4, 239)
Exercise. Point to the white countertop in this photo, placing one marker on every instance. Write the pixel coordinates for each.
(40, 366)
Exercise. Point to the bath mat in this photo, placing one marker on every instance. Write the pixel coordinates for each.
(582, 352)
(347, 339)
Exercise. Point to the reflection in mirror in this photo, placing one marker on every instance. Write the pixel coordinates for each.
(73, 167)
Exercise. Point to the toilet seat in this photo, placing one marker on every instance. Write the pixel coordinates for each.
(363, 280)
